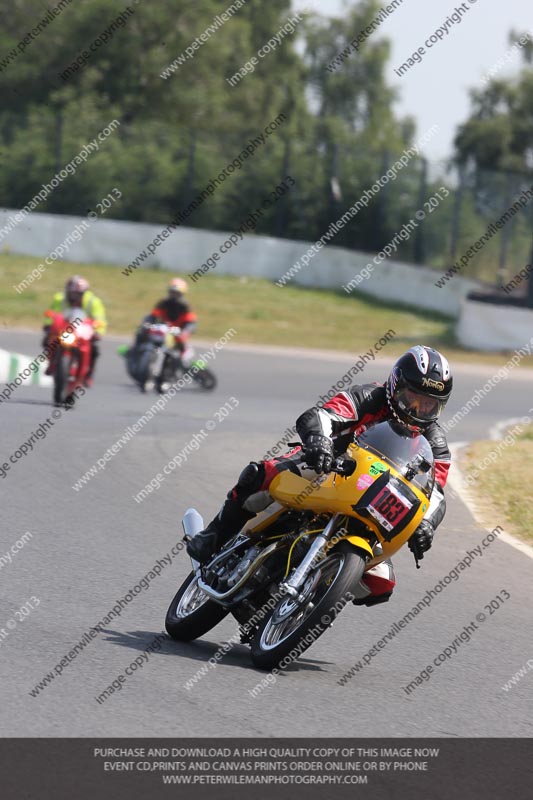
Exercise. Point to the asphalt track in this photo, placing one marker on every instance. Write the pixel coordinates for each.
(88, 549)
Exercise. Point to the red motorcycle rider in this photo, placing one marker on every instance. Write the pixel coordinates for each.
(414, 394)
(78, 295)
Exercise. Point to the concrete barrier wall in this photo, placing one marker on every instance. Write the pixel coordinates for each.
(186, 249)
(483, 326)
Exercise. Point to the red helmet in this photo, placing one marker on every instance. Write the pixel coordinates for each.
(75, 288)
(76, 284)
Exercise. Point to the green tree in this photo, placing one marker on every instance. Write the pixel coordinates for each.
(178, 132)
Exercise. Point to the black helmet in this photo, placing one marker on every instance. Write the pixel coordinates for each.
(419, 386)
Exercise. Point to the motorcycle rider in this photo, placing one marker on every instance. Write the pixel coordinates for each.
(78, 295)
(176, 312)
(414, 395)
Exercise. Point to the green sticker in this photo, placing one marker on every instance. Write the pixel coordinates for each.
(377, 468)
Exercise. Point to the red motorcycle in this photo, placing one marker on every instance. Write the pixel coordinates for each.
(70, 336)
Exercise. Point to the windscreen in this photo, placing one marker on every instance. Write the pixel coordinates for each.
(386, 441)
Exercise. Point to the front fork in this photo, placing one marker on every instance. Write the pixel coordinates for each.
(316, 553)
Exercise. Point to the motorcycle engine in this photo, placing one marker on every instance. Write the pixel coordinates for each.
(242, 565)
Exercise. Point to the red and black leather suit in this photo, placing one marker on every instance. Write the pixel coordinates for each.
(352, 411)
(175, 312)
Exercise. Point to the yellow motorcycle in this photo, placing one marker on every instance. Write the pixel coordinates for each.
(291, 571)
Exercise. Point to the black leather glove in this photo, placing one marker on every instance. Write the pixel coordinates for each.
(319, 452)
(422, 539)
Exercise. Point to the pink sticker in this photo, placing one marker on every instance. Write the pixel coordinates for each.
(364, 481)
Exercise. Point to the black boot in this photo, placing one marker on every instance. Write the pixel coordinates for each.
(227, 524)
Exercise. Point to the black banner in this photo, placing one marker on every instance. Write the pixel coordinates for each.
(224, 769)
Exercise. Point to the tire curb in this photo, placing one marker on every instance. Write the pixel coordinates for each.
(13, 364)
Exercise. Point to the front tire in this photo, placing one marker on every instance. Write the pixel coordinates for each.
(292, 627)
(191, 613)
(206, 379)
(61, 377)
(132, 356)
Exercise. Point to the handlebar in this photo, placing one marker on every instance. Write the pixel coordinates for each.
(174, 329)
(341, 465)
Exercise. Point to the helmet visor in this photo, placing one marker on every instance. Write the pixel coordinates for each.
(74, 297)
(420, 407)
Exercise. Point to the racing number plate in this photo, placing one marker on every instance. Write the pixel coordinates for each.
(389, 507)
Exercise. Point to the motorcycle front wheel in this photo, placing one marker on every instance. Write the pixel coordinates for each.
(191, 612)
(294, 625)
(61, 377)
(206, 379)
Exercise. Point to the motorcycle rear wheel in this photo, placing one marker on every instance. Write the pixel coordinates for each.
(292, 627)
(191, 613)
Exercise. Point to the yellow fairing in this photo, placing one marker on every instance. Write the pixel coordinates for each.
(336, 494)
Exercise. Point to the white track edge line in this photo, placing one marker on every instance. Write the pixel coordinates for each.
(457, 481)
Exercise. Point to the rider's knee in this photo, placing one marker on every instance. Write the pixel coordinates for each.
(250, 480)
(376, 585)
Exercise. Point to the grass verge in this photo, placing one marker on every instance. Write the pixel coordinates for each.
(502, 490)
(260, 311)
